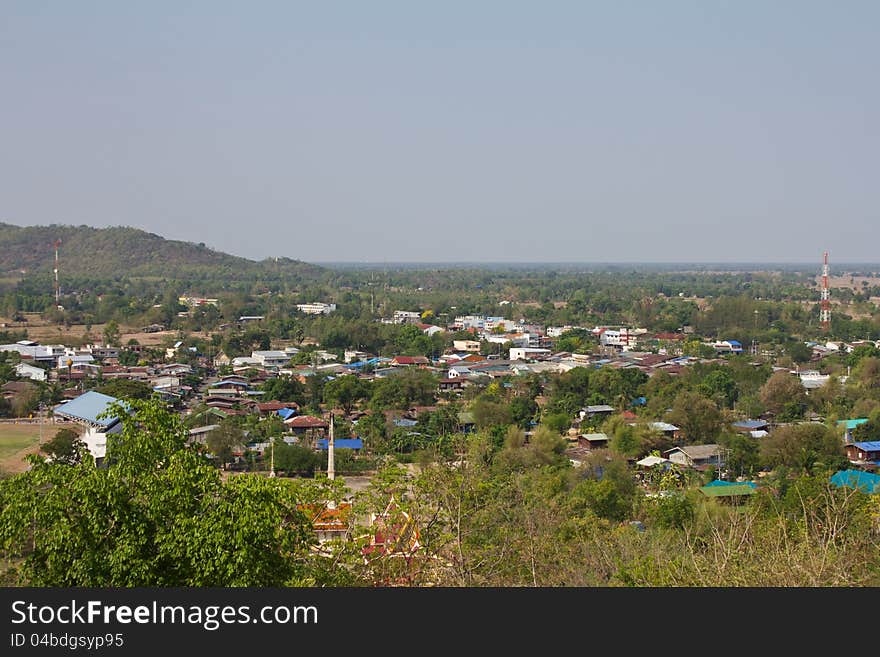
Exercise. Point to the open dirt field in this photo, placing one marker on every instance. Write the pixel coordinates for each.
(44, 332)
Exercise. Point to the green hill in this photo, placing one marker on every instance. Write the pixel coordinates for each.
(124, 251)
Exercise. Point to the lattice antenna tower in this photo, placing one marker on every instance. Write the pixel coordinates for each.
(825, 311)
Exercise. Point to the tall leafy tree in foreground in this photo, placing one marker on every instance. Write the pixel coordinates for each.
(159, 514)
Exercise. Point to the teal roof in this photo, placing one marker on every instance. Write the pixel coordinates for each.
(718, 482)
(864, 481)
(852, 424)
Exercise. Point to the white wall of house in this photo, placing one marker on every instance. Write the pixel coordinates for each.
(30, 372)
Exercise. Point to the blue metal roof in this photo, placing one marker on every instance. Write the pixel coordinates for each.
(342, 443)
(864, 481)
(734, 343)
(286, 412)
(869, 445)
(87, 407)
(371, 361)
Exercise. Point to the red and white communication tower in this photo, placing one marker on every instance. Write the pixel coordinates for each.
(825, 312)
(57, 288)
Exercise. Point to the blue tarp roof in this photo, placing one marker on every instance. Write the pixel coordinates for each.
(87, 407)
(719, 482)
(285, 413)
(371, 361)
(864, 481)
(342, 443)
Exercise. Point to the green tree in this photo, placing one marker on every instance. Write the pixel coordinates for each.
(698, 418)
(284, 388)
(344, 392)
(784, 396)
(126, 389)
(295, 458)
(111, 333)
(802, 446)
(222, 441)
(523, 411)
(65, 447)
(488, 413)
(158, 515)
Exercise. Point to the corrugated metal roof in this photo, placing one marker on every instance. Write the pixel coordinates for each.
(342, 443)
(87, 407)
(869, 445)
(750, 424)
(285, 412)
(864, 481)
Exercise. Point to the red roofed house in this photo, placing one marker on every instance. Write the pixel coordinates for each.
(307, 425)
(275, 405)
(409, 360)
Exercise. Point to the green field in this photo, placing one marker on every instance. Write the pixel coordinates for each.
(16, 437)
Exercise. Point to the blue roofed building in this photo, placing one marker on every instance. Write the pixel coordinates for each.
(863, 481)
(727, 346)
(88, 410)
(286, 413)
(864, 454)
(342, 443)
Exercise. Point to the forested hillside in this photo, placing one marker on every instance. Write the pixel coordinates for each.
(123, 251)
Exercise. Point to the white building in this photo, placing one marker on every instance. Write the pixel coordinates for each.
(557, 331)
(406, 317)
(246, 361)
(468, 322)
(31, 372)
(271, 358)
(74, 360)
(528, 353)
(623, 337)
(353, 356)
(466, 345)
(316, 308)
(35, 351)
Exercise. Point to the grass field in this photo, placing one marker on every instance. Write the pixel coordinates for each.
(18, 440)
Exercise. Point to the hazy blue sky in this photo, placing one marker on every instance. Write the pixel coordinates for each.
(450, 131)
